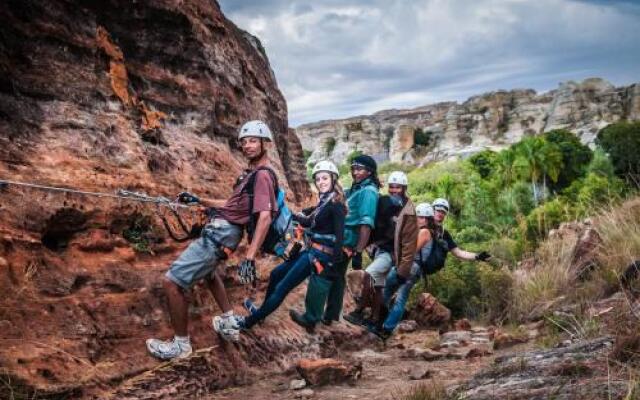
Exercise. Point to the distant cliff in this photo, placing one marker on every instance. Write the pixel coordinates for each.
(492, 120)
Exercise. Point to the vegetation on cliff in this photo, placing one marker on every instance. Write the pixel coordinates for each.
(507, 202)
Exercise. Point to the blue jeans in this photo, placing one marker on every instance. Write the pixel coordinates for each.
(391, 287)
(283, 279)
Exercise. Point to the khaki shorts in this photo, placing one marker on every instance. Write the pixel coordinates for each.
(203, 254)
(380, 267)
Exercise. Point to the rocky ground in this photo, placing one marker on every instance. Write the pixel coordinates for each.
(468, 362)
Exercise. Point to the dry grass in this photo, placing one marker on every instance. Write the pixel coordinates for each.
(540, 287)
(552, 282)
(619, 228)
(426, 391)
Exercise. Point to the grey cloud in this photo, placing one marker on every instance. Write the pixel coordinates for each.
(340, 58)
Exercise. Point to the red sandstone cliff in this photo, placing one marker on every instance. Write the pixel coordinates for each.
(107, 95)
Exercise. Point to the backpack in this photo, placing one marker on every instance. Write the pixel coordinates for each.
(436, 260)
(275, 242)
(384, 224)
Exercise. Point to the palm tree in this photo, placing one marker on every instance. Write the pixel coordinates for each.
(505, 160)
(536, 159)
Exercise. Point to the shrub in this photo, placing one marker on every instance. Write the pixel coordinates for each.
(507, 249)
(546, 217)
(329, 145)
(484, 162)
(496, 287)
(352, 156)
(622, 142)
(456, 286)
(601, 164)
(575, 157)
(421, 137)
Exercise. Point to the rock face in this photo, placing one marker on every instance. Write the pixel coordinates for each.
(577, 371)
(488, 121)
(145, 96)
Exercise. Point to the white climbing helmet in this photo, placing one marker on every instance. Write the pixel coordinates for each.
(424, 210)
(441, 204)
(398, 178)
(255, 128)
(325, 166)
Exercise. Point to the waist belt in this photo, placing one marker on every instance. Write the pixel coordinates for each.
(322, 248)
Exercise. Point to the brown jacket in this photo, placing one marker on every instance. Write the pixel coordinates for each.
(406, 239)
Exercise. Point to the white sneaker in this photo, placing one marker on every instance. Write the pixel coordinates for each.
(228, 326)
(169, 349)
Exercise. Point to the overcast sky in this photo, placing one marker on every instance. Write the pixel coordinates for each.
(340, 58)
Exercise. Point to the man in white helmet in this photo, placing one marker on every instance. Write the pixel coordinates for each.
(400, 282)
(444, 243)
(393, 242)
(219, 238)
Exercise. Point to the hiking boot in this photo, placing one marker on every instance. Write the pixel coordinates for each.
(228, 326)
(250, 306)
(302, 321)
(327, 322)
(381, 333)
(355, 317)
(169, 349)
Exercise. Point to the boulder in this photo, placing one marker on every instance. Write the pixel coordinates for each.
(428, 312)
(462, 325)
(456, 336)
(503, 340)
(585, 252)
(407, 326)
(419, 373)
(327, 371)
(297, 384)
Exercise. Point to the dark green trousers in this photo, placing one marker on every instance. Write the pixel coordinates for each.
(316, 298)
(336, 292)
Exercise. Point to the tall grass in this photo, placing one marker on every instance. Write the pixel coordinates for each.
(552, 280)
(535, 290)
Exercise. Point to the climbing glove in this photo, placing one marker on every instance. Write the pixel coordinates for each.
(247, 272)
(356, 261)
(186, 197)
(483, 256)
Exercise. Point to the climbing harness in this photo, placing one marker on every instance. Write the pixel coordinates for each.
(163, 206)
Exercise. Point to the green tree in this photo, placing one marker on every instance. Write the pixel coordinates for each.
(538, 159)
(575, 157)
(505, 162)
(622, 142)
(484, 162)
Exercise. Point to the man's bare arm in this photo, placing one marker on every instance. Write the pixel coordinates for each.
(262, 227)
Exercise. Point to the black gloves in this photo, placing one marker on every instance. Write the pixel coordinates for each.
(186, 197)
(356, 261)
(483, 256)
(247, 272)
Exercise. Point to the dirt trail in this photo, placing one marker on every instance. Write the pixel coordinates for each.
(387, 372)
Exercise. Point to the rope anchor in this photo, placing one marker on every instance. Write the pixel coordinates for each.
(162, 203)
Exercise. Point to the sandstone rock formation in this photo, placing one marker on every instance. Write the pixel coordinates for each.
(577, 371)
(99, 96)
(488, 121)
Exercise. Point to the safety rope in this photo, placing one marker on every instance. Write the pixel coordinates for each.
(120, 194)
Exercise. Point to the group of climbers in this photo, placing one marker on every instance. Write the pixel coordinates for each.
(403, 241)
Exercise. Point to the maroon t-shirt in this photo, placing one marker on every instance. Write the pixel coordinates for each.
(236, 209)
